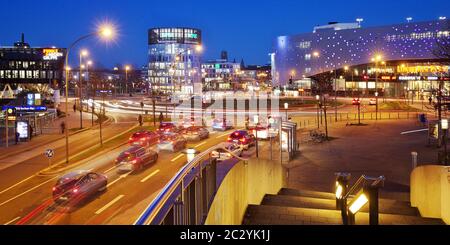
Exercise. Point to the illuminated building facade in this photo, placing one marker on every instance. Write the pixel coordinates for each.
(22, 65)
(174, 64)
(392, 59)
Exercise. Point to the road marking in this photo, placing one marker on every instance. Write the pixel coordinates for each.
(115, 181)
(200, 144)
(12, 221)
(218, 137)
(414, 131)
(18, 183)
(176, 158)
(150, 175)
(109, 204)
(110, 169)
(3, 203)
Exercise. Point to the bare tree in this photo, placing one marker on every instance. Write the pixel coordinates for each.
(323, 82)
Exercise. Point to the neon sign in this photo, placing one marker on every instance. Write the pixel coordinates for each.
(422, 69)
(51, 54)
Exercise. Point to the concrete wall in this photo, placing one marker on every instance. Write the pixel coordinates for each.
(430, 191)
(245, 184)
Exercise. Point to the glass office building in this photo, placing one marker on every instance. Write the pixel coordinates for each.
(395, 59)
(174, 64)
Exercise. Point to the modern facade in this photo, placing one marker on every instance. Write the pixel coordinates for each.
(22, 65)
(174, 64)
(394, 59)
(221, 74)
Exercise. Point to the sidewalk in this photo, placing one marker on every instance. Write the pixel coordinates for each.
(40, 140)
(375, 149)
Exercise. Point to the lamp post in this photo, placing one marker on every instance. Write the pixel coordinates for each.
(127, 68)
(83, 53)
(105, 31)
(444, 125)
(271, 122)
(256, 121)
(286, 107)
(318, 110)
(376, 106)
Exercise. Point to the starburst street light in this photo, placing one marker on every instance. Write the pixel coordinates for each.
(409, 19)
(106, 32)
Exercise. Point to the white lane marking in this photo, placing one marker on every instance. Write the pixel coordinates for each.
(200, 144)
(18, 183)
(176, 158)
(110, 169)
(414, 131)
(109, 204)
(23, 193)
(150, 175)
(115, 181)
(12, 221)
(220, 136)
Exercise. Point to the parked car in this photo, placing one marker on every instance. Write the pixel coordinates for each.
(135, 158)
(222, 124)
(222, 155)
(372, 102)
(165, 127)
(171, 142)
(195, 133)
(186, 123)
(264, 132)
(356, 101)
(77, 186)
(243, 138)
(144, 138)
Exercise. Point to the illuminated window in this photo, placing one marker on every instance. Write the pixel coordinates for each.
(304, 45)
(307, 56)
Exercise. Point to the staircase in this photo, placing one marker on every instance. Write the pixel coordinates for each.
(302, 207)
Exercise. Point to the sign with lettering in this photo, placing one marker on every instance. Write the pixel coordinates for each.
(51, 54)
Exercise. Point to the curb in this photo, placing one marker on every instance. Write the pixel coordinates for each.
(45, 172)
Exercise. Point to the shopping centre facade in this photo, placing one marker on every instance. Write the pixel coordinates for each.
(393, 60)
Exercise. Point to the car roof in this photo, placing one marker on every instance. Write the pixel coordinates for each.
(133, 149)
(74, 174)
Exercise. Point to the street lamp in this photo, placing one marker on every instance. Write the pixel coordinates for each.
(444, 125)
(376, 106)
(359, 20)
(127, 68)
(286, 107)
(409, 19)
(83, 53)
(106, 32)
(256, 121)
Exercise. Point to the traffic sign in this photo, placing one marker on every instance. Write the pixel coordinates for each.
(50, 153)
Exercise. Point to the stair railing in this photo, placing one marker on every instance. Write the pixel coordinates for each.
(366, 190)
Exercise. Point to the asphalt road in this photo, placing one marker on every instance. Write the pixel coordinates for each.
(30, 201)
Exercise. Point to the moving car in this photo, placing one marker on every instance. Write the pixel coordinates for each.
(242, 138)
(76, 186)
(135, 158)
(187, 122)
(372, 102)
(144, 138)
(222, 155)
(356, 101)
(171, 142)
(195, 133)
(222, 124)
(167, 127)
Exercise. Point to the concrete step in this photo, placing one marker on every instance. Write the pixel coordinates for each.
(385, 206)
(276, 215)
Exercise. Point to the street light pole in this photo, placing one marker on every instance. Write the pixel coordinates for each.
(256, 121)
(376, 105)
(318, 109)
(444, 125)
(286, 107)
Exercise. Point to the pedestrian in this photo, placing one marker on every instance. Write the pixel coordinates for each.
(74, 108)
(161, 117)
(63, 127)
(17, 137)
(140, 120)
(430, 100)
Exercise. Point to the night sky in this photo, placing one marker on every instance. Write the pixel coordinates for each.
(245, 28)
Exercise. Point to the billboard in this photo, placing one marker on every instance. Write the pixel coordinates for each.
(22, 127)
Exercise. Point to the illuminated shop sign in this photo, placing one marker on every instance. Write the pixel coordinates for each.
(26, 108)
(51, 54)
(422, 69)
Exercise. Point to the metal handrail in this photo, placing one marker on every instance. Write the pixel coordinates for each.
(363, 179)
(158, 203)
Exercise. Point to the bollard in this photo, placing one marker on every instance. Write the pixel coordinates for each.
(414, 156)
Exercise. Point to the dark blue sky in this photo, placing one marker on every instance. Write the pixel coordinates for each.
(245, 28)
